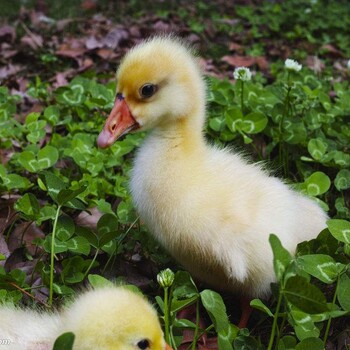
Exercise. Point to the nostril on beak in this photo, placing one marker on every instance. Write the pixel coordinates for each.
(113, 126)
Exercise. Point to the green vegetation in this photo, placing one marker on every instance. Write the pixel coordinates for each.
(297, 121)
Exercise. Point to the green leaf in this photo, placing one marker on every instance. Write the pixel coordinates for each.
(47, 212)
(310, 343)
(98, 281)
(104, 207)
(259, 305)
(343, 294)
(36, 131)
(185, 287)
(106, 238)
(73, 269)
(32, 117)
(183, 323)
(29, 206)
(28, 161)
(75, 203)
(74, 95)
(254, 123)
(216, 309)
(294, 133)
(14, 181)
(79, 245)
(217, 124)
(62, 290)
(88, 234)
(66, 195)
(65, 228)
(107, 223)
(225, 338)
(342, 180)
(317, 184)
(177, 305)
(317, 148)
(305, 296)
(234, 118)
(246, 343)
(52, 114)
(281, 256)
(340, 229)
(53, 184)
(124, 211)
(47, 157)
(320, 266)
(304, 324)
(59, 247)
(288, 342)
(64, 341)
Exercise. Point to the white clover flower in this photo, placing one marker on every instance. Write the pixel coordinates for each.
(165, 278)
(242, 73)
(349, 64)
(292, 65)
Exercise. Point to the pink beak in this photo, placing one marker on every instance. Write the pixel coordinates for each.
(119, 122)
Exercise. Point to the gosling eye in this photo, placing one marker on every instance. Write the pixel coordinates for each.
(148, 90)
(143, 344)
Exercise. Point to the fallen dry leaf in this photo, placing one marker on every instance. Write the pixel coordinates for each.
(60, 80)
(114, 37)
(11, 69)
(246, 61)
(7, 33)
(89, 220)
(314, 63)
(24, 234)
(35, 41)
(70, 52)
(4, 250)
(236, 47)
(88, 5)
(332, 50)
(7, 51)
(92, 43)
(107, 54)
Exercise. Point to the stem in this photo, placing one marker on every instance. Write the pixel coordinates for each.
(280, 330)
(166, 314)
(52, 256)
(281, 154)
(120, 240)
(242, 92)
(92, 262)
(330, 318)
(274, 325)
(173, 343)
(195, 335)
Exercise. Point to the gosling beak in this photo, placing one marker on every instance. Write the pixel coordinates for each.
(167, 347)
(119, 122)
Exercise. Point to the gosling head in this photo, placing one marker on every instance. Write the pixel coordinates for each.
(158, 82)
(114, 319)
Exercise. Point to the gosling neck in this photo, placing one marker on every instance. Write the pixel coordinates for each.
(186, 132)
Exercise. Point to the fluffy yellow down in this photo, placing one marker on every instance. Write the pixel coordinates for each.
(209, 207)
(111, 318)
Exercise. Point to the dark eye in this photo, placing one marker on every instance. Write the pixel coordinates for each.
(148, 90)
(143, 344)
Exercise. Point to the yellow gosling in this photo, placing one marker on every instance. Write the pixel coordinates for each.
(111, 318)
(210, 208)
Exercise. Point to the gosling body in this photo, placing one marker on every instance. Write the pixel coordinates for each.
(209, 207)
